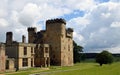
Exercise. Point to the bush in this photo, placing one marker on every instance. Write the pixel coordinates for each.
(104, 58)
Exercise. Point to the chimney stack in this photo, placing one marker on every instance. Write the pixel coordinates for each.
(9, 38)
(23, 39)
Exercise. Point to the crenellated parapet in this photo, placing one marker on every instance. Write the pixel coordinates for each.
(9, 33)
(70, 30)
(32, 29)
(57, 20)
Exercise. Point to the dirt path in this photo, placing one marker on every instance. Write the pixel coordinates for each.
(41, 69)
(44, 73)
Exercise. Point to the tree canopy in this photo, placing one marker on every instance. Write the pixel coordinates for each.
(104, 57)
(76, 50)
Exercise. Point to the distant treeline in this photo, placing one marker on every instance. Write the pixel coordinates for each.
(93, 55)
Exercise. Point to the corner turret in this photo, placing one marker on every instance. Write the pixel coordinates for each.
(31, 34)
(69, 32)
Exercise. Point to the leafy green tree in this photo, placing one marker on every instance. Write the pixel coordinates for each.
(77, 52)
(104, 58)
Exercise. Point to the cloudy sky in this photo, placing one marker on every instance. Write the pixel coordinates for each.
(96, 23)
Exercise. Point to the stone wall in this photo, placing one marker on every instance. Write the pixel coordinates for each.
(10, 64)
(29, 55)
(59, 39)
(2, 58)
(16, 51)
(42, 58)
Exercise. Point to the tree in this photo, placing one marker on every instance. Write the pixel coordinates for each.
(104, 58)
(76, 52)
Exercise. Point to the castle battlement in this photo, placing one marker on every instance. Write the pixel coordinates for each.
(9, 33)
(32, 29)
(57, 20)
(69, 33)
(70, 29)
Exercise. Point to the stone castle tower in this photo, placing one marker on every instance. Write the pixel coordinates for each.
(59, 39)
(61, 52)
(31, 34)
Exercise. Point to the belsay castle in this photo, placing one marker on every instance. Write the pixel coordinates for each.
(53, 46)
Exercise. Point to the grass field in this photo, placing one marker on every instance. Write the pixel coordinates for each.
(77, 69)
(92, 69)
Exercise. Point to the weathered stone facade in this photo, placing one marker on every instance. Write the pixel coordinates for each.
(10, 64)
(61, 43)
(22, 52)
(42, 58)
(59, 40)
(2, 57)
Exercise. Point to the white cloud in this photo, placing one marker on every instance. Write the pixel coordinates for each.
(78, 37)
(3, 22)
(114, 49)
(97, 29)
(3, 13)
(102, 30)
(29, 14)
(105, 15)
(83, 5)
(115, 24)
(115, 0)
(78, 23)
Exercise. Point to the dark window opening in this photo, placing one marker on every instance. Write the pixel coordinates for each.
(25, 62)
(7, 64)
(31, 62)
(25, 50)
(31, 49)
(46, 49)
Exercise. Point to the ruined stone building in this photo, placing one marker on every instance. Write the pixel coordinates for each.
(6, 64)
(59, 41)
(22, 52)
(42, 57)
(53, 46)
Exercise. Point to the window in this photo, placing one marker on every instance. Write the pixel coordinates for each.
(25, 62)
(7, 64)
(31, 49)
(25, 50)
(46, 49)
(31, 62)
(41, 48)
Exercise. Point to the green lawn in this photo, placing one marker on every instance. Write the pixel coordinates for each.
(77, 69)
(92, 69)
